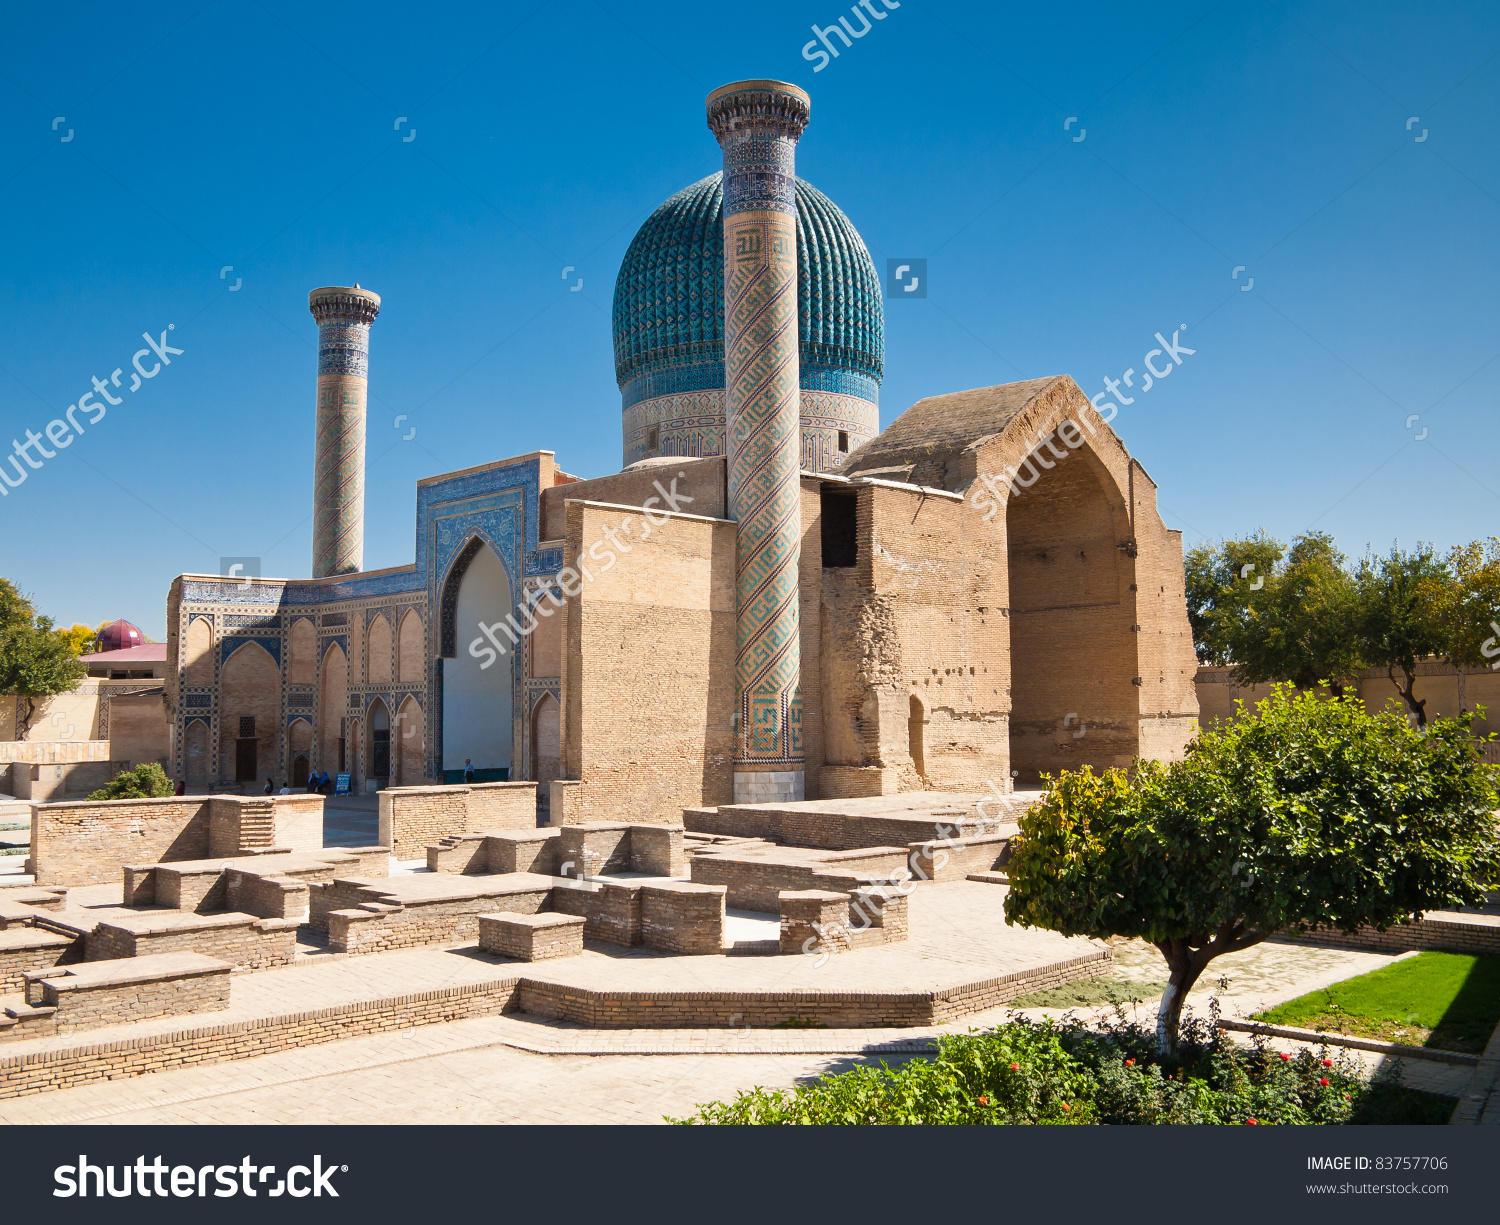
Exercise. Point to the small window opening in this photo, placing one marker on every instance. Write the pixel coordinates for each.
(247, 727)
(844, 441)
(840, 538)
(653, 439)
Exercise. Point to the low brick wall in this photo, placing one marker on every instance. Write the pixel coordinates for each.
(538, 937)
(88, 842)
(683, 918)
(832, 831)
(658, 850)
(1459, 933)
(111, 993)
(957, 858)
(814, 920)
(242, 940)
(21, 1075)
(383, 928)
(612, 911)
(298, 822)
(753, 884)
(24, 950)
(593, 848)
(268, 897)
(525, 851)
(414, 818)
(461, 854)
(501, 806)
(835, 1009)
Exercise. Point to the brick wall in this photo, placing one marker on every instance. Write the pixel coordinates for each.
(90, 1006)
(593, 849)
(612, 912)
(418, 923)
(658, 850)
(24, 950)
(1459, 933)
(269, 897)
(240, 939)
(648, 667)
(414, 818)
(539, 937)
(524, 852)
(501, 806)
(88, 843)
(683, 918)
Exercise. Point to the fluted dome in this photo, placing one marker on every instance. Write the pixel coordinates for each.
(669, 296)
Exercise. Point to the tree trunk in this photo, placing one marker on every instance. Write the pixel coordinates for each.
(1186, 968)
(1408, 694)
(23, 724)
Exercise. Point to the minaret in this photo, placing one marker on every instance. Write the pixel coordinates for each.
(344, 317)
(758, 124)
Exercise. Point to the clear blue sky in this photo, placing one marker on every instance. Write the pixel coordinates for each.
(263, 136)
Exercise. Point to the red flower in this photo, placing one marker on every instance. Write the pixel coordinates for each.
(984, 1101)
(1323, 1081)
(1346, 1097)
(1130, 1063)
(1065, 1106)
(1328, 1063)
(1015, 1067)
(1250, 1122)
(1284, 1056)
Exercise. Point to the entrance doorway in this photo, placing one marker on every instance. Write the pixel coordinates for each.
(380, 744)
(299, 771)
(244, 760)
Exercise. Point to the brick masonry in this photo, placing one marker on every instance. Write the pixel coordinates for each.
(109, 993)
(24, 950)
(242, 940)
(683, 918)
(1460, 933)
(414, 818)
(538, 937)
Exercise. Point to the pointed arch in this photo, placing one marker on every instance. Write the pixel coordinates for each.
(378, 651)
(333, 689)
(411, 661)
(409, 749)
(477, 712)
(250, 716)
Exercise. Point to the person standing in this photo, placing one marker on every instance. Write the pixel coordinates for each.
(270, 787)
(468, 771)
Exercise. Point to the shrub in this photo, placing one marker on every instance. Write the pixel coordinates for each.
(1109, 1071)
(147, 781)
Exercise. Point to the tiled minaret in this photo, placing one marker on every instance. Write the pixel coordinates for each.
(344, 317)
(758, 124)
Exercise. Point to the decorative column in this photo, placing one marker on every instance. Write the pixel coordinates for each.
(758, 124)
(344, 317)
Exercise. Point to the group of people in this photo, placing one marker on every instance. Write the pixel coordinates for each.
(319, 781)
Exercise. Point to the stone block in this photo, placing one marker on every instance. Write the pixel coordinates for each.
(594, 848)
(814, 920)
(658, 850)
(536, 937)
(683, 918)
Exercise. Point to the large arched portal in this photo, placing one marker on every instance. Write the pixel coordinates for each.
(408, 751)
(378, 768)
(1073, 700)
(476, 676)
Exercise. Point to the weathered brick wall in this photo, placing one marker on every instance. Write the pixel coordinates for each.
(752, 884)
(269, 897)
(648, 667)
(1459, 933)
(201, 890)
(203, 1045)
(132, 1001)
(414, 818)
(814, 920)
(87, 843)
(500, 806)
(612, 911)
(683, 918)
(540, 937)
(535, 851)
(24, 950)
(593, 849)
(955, 859)
(460, 854)
(299, 822)
(421, 923)
(242, 941)
(658, 849)
(340, 893)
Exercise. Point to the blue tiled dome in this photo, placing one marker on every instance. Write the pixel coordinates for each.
(669, 297)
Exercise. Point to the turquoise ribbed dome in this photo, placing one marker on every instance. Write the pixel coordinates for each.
(669, 296)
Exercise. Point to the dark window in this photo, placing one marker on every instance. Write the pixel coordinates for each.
(844, 440)
(840, 546)
(247, 727)
(653, 439)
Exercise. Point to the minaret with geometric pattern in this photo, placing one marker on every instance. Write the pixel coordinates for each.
(758, 124)
(344, 317)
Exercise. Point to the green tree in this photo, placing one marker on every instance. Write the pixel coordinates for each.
(1223, 598)
(36, 661)
(80, 638)
(1305, 813)
(1401, 599)
(1467, 608)
(147, 781)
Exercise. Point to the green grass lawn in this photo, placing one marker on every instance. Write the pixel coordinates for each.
(1449, 1001)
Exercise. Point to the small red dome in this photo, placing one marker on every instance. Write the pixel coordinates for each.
(118, 635)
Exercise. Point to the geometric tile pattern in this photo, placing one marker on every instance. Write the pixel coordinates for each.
(758, 133)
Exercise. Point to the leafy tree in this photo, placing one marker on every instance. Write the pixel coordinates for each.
(1401, 597)
(1307, 813)
(36, 661)
(147, 781)
(80, 638)
(1222, 596)
(1467, 608)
